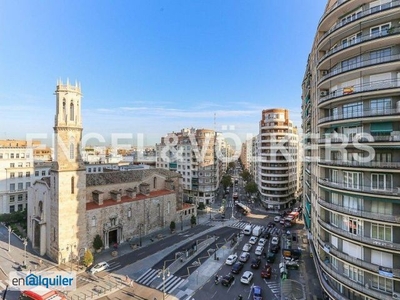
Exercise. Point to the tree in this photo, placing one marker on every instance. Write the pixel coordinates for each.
(226, 181)
(193, 220)
(201, 206)
(246, 175)
(97, 243)
(231, 165)
(172, 226)
(87, 258)
(251, 187)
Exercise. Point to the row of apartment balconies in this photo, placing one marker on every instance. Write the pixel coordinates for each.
(358, 164)
(359, 212)
(362, 189)
(358, 17)
(390, 138)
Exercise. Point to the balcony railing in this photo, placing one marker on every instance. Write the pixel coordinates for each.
(349, 139)
(361, 114)
(355, 261)
(372, 164)
(361, 64)
(327, 267)
(358, 40)
(360, 15)
(361, 239)
(360, 188)
(359, 212)
(338, 3)
(360, 88)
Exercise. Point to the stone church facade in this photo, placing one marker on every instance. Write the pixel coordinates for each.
(69, 208)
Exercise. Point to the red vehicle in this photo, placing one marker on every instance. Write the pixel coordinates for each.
(266, 271)
(41, 293)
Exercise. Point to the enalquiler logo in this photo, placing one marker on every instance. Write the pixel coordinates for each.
(57, 280)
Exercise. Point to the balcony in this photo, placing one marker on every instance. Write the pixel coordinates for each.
(360, 64)
(378, 85)
(357, 41)
(372, 113)
(357, 17)
(356, 164)
(359, 212)
(375, 139)
(360, 188)
(362, 239)
(355, 261)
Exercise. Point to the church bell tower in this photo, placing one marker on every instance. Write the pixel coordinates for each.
(68, 178)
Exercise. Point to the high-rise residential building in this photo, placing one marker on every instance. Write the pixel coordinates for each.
(277, 159)
(192, 153)
(21, 163)
(351, 121)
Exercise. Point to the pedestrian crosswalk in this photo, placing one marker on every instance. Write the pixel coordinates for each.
(275, 288)
(170, 284)
(272, 231)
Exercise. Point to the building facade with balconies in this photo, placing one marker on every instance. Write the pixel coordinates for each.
(351, 121)
(277, 159)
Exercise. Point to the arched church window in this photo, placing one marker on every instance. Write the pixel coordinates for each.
(93, 221)
(71, 111)
(154, 182)
(168, 207)
(63, 107)
(129, 213)
(72, 185)
(40, 206)
(71, 151)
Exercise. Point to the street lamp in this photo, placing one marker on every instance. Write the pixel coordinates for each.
(164, 274)
(9, 237)
(70, 254)
(25, 242)
(140, 234)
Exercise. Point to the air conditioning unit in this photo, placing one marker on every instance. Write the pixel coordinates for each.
(324, 72)
(324, 93)
(396, 295)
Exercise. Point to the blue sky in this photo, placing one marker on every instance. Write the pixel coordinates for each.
(152, 67)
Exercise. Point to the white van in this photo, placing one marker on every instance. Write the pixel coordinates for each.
(247, 230)
(257, 231)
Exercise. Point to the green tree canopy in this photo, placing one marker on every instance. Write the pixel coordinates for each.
(226, 181)
(97, 243)
(246, 175)
(251, 187)
(88, 258)
(231, 165)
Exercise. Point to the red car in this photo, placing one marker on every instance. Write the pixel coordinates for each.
(266, 271)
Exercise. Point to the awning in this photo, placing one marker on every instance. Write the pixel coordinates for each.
(382, 127)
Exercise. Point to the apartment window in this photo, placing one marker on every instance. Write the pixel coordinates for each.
(93, 221)
(380, 106)
(23, 155)
(379, 5)
(28, 164)
(351, 131)
(43, 173)
(12, 199)
(335, 176)
(381, 232)
(12, 165)
(89, 170)
(351, 63)
(352, 202)
(334, 262)
(20, 186)
(12, 186)
(20, 174)
(27, 184)
(352, 180)
(382, 283)
(379, 30)
(28, 174)
(351, 40)
(17, 155)
(353, 273)
(36, 173)
(20, 197)
(334, 219)
(1, 155)
(351, 17)
(384, 208)
(380, 55)
(353, 110)
(12, 175)
(383, 157)
(12, 208)
(354, 226)
(20, 165)
(12, 155)
(381, 181)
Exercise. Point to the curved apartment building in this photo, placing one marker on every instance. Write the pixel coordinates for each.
(277, 159)
(351, 170)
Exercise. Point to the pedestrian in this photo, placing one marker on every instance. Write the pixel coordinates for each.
(131, 283)
(126, 278)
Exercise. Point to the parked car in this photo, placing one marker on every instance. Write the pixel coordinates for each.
(266, 235)
(257, 293)
(259, 250)
(247, 247)
(274, 248)
(255, 263)
(227, 280)
(271, 257)
(237, 267)
(101, 266)
(294, 265)
(244, 257)
(277, 218)
(261, 242)
(271, 225)
(231, 259)
(275, 240)
(266, 272)
(253, 240)
(247, 277)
